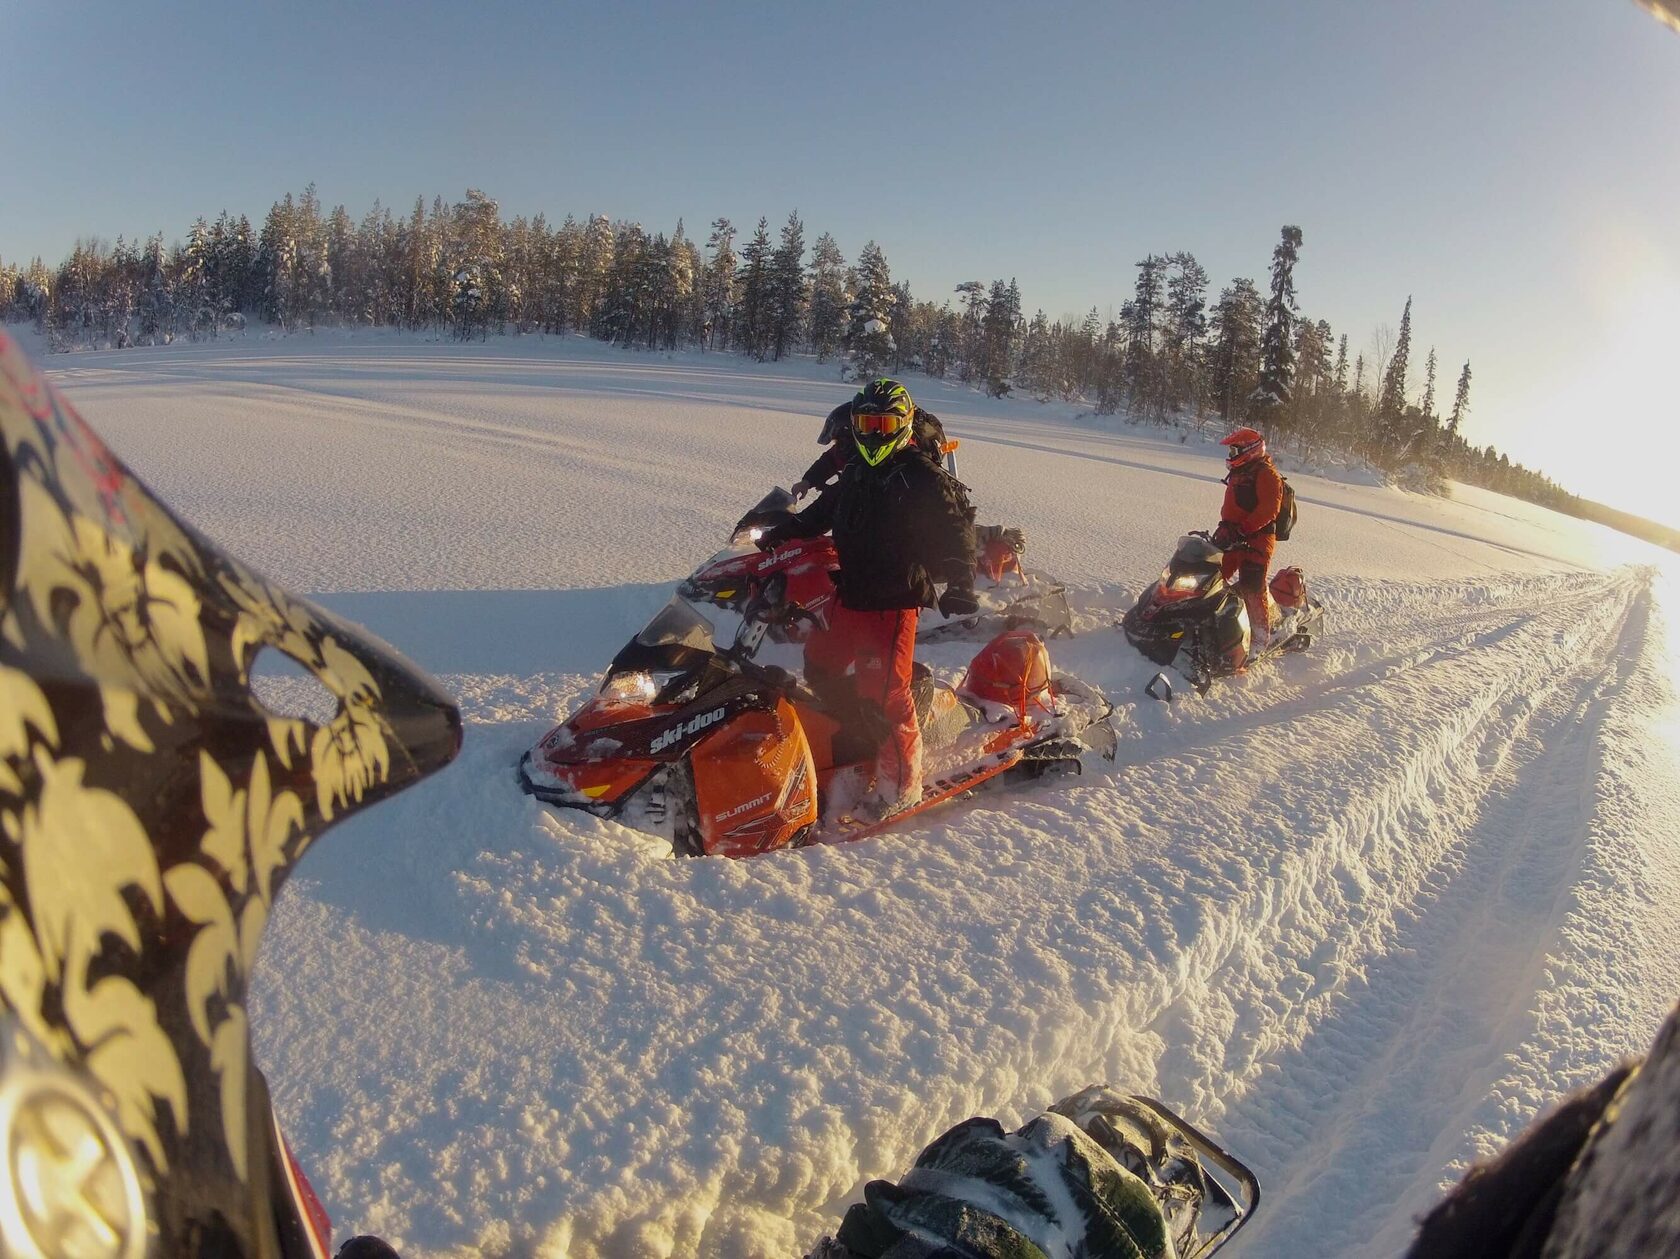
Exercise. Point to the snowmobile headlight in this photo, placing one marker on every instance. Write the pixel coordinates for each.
(1189, 581)
(635, 687)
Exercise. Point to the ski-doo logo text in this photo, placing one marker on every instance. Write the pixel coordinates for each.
(692, 726)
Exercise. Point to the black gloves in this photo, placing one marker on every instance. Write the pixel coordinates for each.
(1227, 535)
(957, 601)
(769, 539)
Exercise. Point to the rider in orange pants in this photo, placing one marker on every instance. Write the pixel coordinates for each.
(1248, 524)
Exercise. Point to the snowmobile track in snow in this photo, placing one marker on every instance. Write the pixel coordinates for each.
(1457, 869)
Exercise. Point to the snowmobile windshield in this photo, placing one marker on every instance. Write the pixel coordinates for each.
(677, 625)
(1194, 551)
(774, 508)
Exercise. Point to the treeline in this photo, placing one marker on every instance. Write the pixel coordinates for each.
(1172, 355)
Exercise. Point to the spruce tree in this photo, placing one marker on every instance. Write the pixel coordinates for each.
(1461, 401)
(1393, 398)
(1277, 342)
(998, 336)
(720, 282)
(1184, 329)
(1140, 319)
(1394, 433)
(828, 297)
(752, 320)
(1236, 346)
(869, 338)
(787, 287)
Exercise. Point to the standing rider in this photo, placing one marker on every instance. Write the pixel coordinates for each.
(1248, 524)
(900, 525)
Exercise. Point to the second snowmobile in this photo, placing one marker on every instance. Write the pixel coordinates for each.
(1196, 622)
(725, 755)
(1011, 596)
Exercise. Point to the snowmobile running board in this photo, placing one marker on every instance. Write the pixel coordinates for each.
(850, 828)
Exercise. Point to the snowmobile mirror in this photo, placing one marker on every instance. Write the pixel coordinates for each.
(1159, 687)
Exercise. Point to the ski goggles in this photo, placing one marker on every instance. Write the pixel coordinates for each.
(885, 423)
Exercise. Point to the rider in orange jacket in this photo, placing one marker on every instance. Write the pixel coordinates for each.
(1248, 524)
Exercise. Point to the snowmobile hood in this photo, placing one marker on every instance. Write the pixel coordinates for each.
(151, 808)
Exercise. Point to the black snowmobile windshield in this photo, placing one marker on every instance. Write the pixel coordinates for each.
(677, 625)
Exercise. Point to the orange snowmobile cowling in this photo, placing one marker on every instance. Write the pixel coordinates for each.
(1012, 669)
(755, 786)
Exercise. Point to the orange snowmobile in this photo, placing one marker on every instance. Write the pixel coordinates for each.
(728, 756)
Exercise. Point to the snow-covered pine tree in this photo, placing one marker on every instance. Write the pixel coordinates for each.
(719, 283)
(677, 315)
(595, 263)
(869, 338)
(157, 311)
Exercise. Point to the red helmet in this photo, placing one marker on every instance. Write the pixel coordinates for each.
(1246, 445)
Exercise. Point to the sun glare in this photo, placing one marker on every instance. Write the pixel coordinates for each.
(1604, 431)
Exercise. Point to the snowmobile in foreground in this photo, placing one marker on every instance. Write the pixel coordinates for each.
(1103, 1173)
(1011, 596)
(1196, 622)
(725, 755)
(1205, 1194)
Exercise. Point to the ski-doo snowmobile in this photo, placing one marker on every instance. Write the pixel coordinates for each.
(1205, 1194)
(725, 755)
(1196, 622)
(1011, 597)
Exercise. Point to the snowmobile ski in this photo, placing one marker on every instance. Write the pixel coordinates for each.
(1205, 1193)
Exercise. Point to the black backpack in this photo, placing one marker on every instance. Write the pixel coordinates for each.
(1285, 523)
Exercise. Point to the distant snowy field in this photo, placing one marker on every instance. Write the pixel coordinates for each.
(1361, 915)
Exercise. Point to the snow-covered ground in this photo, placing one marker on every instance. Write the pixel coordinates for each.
(1361, 915)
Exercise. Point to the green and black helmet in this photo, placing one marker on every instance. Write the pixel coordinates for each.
(882, 418)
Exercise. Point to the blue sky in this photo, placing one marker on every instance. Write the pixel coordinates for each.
(1513, 165)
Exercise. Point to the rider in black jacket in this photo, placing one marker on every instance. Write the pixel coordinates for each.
(901, 526)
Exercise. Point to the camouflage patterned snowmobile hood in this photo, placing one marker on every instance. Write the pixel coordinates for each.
(150, 808)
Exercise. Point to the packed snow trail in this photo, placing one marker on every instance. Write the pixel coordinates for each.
(1360, 914)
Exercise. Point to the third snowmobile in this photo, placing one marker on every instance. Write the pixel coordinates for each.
(1196, 622)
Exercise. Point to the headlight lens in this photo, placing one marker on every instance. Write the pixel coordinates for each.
(641, 686)
(1189, 581)
(635, 687)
